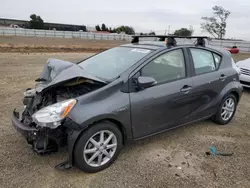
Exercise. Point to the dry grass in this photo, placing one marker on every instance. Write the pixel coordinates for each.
(43, 44)
(240, 56)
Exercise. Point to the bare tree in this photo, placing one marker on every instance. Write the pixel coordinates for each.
(216, 25)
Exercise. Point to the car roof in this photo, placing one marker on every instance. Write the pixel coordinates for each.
(155, 45)
(148, 45)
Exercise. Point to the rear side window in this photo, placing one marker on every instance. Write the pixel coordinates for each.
(205, 61)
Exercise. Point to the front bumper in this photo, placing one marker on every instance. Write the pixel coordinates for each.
(245, 80)
(29, 133)
(41, 138)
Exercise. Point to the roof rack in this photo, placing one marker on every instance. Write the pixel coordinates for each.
(170, 39)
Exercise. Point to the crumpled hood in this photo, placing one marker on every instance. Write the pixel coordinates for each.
(244, 63)
(58, 71)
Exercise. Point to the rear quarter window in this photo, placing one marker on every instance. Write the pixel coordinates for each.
(217, 59)
(204, 61)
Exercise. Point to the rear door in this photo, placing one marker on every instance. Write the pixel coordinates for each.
(167, 103)
(208, 81)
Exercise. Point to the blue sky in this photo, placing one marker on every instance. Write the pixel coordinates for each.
(143, 15)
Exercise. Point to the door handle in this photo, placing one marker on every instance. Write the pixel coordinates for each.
(223, 77)
(186, 88)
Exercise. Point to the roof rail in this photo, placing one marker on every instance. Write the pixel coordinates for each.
(170, 39)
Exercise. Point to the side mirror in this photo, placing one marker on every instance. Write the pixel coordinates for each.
(145, 82)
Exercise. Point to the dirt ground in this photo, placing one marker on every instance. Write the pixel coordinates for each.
(43, 44)
(172, 159)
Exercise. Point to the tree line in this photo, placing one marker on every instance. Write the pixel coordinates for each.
(215, 25)
(126, 29)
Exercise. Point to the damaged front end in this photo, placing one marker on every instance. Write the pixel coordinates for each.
(44, 121)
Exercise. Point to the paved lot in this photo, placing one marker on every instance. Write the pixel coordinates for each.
(172, 159)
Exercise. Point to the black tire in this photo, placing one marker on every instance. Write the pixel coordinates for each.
(79, 148)
(217, 118)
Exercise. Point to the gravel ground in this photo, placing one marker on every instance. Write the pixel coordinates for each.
(172, 159)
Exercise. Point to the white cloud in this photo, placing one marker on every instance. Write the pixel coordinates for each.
(143, 15)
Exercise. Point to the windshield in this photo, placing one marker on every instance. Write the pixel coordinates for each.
(111, 63)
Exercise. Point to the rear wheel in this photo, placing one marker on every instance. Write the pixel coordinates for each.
(226, 110)
(98, 147)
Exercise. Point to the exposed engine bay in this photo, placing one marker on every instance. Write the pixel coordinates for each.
(49, 139)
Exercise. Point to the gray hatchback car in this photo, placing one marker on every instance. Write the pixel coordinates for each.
(124, 94)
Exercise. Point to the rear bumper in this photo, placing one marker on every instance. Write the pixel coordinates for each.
(28, 132)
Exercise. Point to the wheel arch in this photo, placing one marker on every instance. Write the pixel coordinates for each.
(236, 94)
(78, 134)
(231, 88)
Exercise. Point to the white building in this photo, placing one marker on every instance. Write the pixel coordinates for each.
(90, 29)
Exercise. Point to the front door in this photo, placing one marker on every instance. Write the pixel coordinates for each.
(166, 104)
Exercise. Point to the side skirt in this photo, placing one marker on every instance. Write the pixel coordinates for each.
(209, 116)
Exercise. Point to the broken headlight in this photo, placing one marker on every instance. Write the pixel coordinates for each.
(51, 116)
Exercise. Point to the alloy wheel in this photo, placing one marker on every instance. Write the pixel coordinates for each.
(100, 148)
(227, 110)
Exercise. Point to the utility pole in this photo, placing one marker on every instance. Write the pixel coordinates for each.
(191, 29)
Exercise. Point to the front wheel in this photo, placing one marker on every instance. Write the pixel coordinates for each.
(98, 147)
(226, 110)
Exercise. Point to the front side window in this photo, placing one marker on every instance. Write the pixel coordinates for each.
(111, 63)
(167, 67)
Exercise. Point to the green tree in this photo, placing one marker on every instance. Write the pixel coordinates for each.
(127, 29)
(151, 33)
(97, 27)
(183, 32)
(104, 28)
(36, 22)
(216, 25)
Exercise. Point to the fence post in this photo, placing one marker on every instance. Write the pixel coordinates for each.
(45, 33)
(72, 34)
(94, 35)
(3, 31)
(34, 32)
(15, 31)
(25, 32)
(55, 33)
(63, 34)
